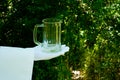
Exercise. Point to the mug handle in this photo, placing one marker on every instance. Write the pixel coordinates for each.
(35, 33)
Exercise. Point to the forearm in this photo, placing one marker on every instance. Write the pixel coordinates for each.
(35, 52)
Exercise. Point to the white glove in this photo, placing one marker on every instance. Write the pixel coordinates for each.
(40, 55)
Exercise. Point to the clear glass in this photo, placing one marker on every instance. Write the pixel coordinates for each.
(51, 35)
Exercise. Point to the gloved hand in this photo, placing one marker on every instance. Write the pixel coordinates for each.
(40, 55)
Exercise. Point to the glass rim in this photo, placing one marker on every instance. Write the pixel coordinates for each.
(51, 20)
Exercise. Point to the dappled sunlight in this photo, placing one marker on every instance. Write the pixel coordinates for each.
(77, 75)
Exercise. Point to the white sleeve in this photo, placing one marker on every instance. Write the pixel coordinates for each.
(16, 63)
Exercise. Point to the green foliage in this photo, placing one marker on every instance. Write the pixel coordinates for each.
(91, 28)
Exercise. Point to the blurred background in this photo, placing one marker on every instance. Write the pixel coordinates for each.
(91, 28)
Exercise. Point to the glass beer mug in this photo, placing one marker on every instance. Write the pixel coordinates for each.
(51, 35)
